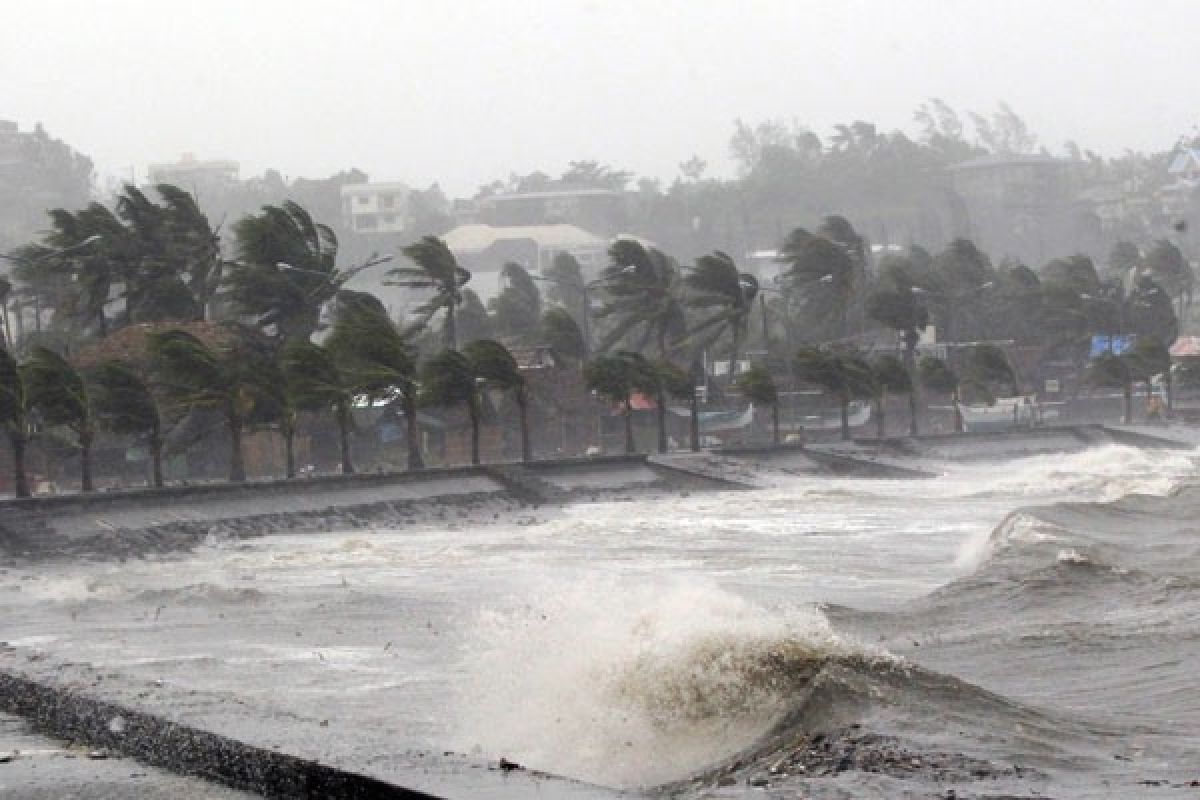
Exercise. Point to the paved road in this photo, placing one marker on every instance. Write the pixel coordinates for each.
(33, 767)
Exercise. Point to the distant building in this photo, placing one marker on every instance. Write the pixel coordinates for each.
(1017, 206)
(375, 207)
(1184, 171)
(194, 175)
(603, 210)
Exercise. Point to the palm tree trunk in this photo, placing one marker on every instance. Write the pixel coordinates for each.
(694, 419)
(85, 461)
(20, 479)
(451, 327)
(880, 420)
(237, 461)
(343, 421)
(733, 356)
(775, 423)
(289, 450)
(910, 365)
(156, 454)
(845, 417)
(629, 445)
(661, 412)
(958, 417)
(473, 413)
(1127, 390)
(411, 432)
(523, 408)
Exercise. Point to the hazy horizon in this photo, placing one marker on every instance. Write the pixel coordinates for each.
(469, 92)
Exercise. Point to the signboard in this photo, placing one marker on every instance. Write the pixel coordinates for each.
(1115, 343)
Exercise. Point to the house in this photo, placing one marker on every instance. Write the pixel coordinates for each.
(370, 208)
(1184, 172)
(194, 175)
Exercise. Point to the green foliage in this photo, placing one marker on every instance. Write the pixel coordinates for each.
(565, 283)
(934, 375)
(435, 269)
(889, 373)
(988, 365)
(562, 334)
(492, 363)
(518, 308)
(724, 296)
(843, 374)
(448, 379)
(14, 399)
(58, 392)
(893, 302)
(314, 379)
(1170, 269)
(613, 376)
(758, 386)
(123, 400)
(641, 298)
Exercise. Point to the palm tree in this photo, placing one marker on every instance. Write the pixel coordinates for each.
(560, 331)
(125, 405)
(225, 379)
(437, 270)
(758, 386)
(728, 296)
(518, 308)
(377, 359)
(659, 379)
(14, 417)
(316, 383)
(987, 364)
(58, 392)
(822, 271)
(615, 378)
(846, 375)
(286, 270)
(895, 304)
(448, 380)
(1147, 358)
(494, 366)
(888, 374)
(642, 289)
(936, 376)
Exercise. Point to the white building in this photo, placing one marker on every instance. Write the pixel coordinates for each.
(193, 175)
(375, 207)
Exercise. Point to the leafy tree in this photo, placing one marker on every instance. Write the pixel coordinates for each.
(1171, 271)
(15, 417)
(988, 365)
(659, 379)
(1123, 257)
(471, 320)
(1114, 372)
(896, 305)
(227, 379)
(286, 272)
(316, 383)
(961, 274)
(823, 273)
(726, 297)
(642, 298)
(758, 386)
(494, 366)
(518, 307)
(377, 359)
(435, 270)
(889, 374)
(843, 374)
(125, 404)
(615, 377)
(565, 286)
(58, 392)
(559, 331)
(936, 376)
(448, 380)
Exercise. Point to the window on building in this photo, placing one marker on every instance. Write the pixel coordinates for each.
(362, 199)
(387, 200)
(365, 222)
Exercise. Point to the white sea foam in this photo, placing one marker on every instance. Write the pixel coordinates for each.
(633, 683)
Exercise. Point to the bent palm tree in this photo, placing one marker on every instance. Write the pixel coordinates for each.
(642, 288)
(60, 395)
(436, 270)
(125, 405)
(727, 296)
(315, 383)
(14, 418)
(495, 366)
(448, 380)
(759, 388)
(615, 377)
(845, 375)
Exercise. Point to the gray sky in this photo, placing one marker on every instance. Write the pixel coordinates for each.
(470, 90)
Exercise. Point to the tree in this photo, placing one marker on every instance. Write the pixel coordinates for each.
(659, 379)
(436, 270)
(1114, 372)
(823, 273)
(448, 380)
(727, 296)
(844, 374)
(495, 367)
(377, 359)
(14, 417)
(286, 270)
(1171, 271)
(518, 307)
(226, 379)
(758, 386)
(614, 377)
(895, 304)
(125, 405)
(1123, 257)
(889, 374)
(988, 365)
(936, 376)
(642, 289)
(559, 331)
(316, 383)
(59, 394)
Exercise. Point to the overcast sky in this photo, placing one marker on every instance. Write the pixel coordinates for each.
(466, 91)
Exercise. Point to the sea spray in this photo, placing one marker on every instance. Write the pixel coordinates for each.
(627, 682)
